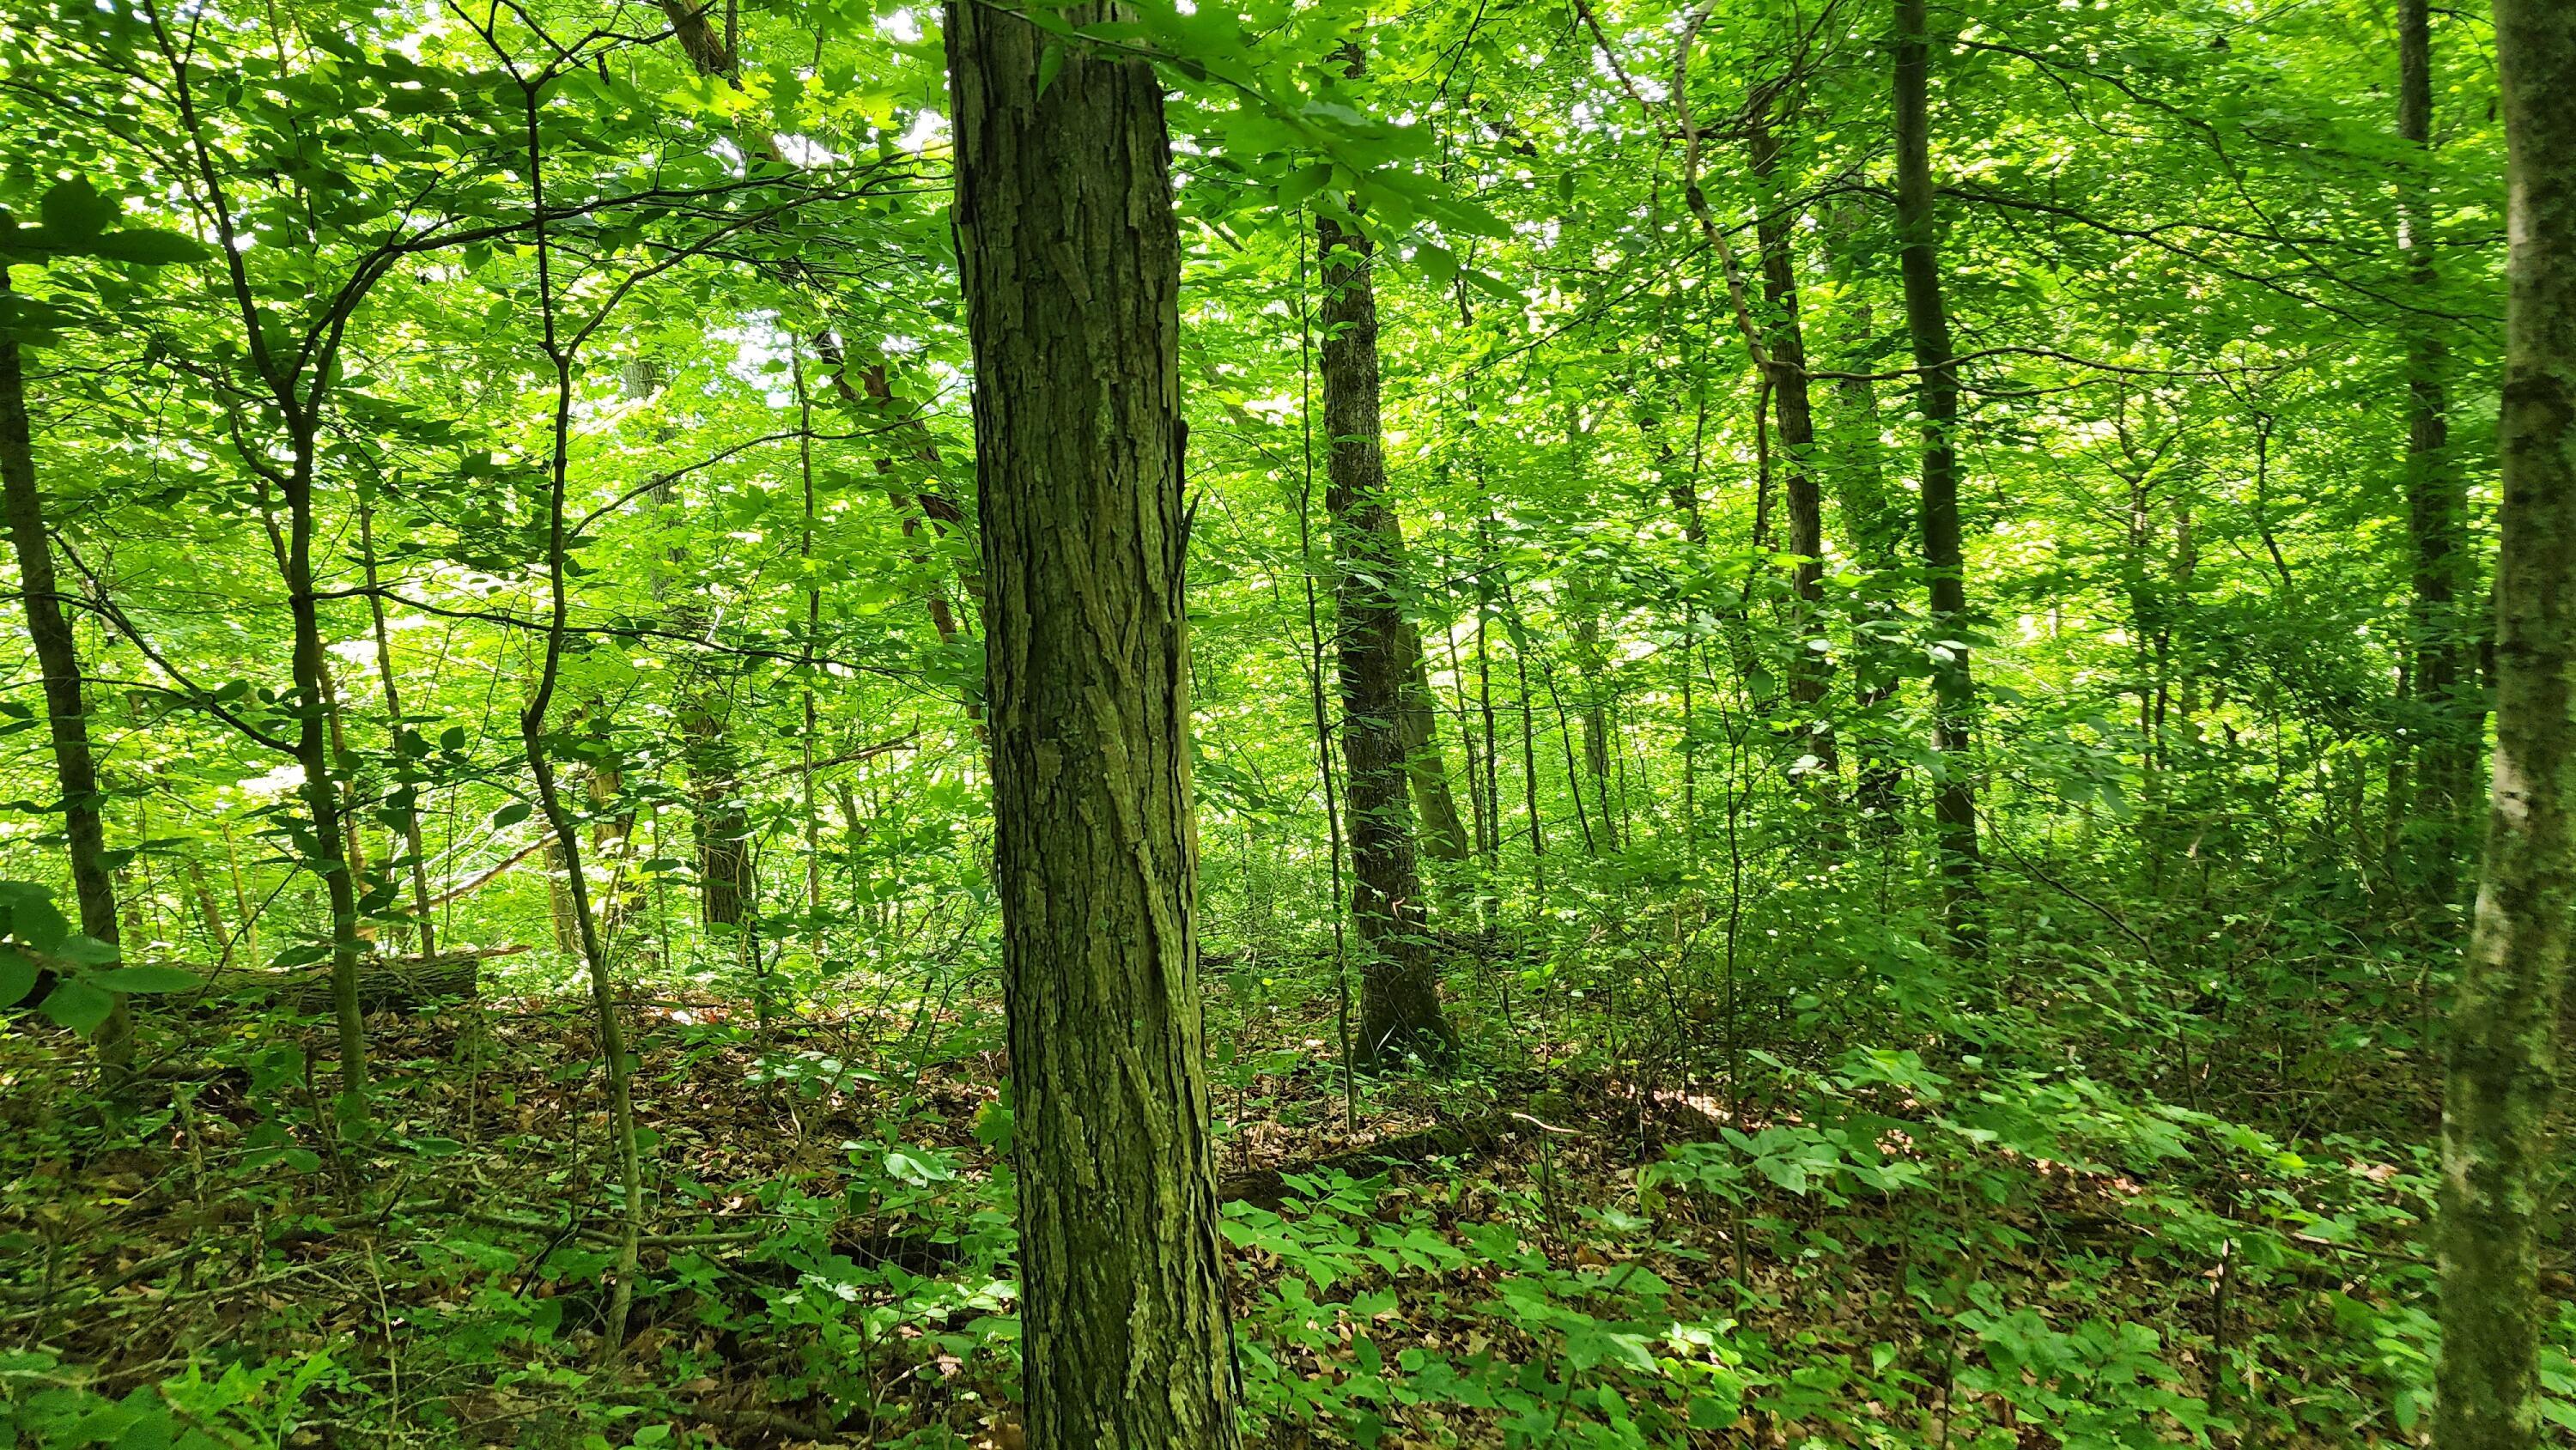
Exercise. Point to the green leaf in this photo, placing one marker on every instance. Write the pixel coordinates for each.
(147, 246)
(78, 1005)
(17, 976)
(1050, 62)
(74, 212)
(1439, 264)
(147, 979)
(33, 322)
(993, 1126)
(33, 919)
(87, 951)
(920, 1167)
(510, 815)
(1303, 183)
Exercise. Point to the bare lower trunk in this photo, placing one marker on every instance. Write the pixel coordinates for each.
(1927, 317)
(58, 659)
(1873, 529)
(2445, 694)
(1070, 256)
(2504, 1023)
(1400, 999)
(1810, 669)
(332, 857)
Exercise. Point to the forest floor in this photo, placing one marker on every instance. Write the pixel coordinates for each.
(1558, 1253)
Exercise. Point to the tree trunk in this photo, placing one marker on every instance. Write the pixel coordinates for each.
(1443, 834)
(1592, 664)
(331, 856)
(1927, 317)
(1400, 982)
(2496, 1153)
(58, 659)
(1810, 666)
(409, 791)
(2445, 698)
(210, 913)
(719, 821)
(386, 985)
(1872, 528)
(560, 824)
(1070, 256)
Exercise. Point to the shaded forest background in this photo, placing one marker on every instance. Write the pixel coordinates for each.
(1838, 745)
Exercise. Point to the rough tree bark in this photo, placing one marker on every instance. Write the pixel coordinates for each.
(1927, 318)
(1872, 527)
(1070, 255)
(58, 660)
(2504, 1023)
(1400, 980)
(1444, 835)
(2445, 696)
(1810, 666)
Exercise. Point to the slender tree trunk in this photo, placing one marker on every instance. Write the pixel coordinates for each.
(352, 828)
(1810, 669)
(715, 55)
(2445, 693)
(2504, 1023)
(1927, 317)
(1872, 527)
(1400, 1009)
(247, 934)
(210, 913)
(719, 820)
(813, 633)
(408, 789)
(1443, 835)
(1529, 743)
(1592, 665)
(58, 659)
(1493, 841)
(1070, 255)
(559, 819)
(333, 859)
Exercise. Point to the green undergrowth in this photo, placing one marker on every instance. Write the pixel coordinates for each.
(1882, 1253)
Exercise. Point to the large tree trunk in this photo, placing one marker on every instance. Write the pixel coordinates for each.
(2446, 698)
(1810, 667)
(1070, 256)
(1927, 317)
(2504, 1022)
(1400, 981)
(58, 659)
